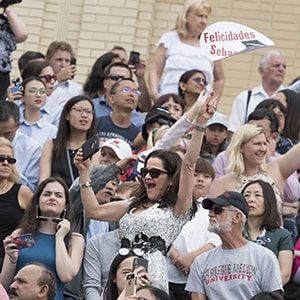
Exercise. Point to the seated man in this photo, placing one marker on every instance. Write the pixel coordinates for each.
(237, 269)
(124, 99)
(27, 150)
(114, 73)
(33, 282)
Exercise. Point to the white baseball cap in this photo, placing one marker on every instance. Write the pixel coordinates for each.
(120, 147)
(217, 118)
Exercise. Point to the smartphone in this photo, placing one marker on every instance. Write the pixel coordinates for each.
(24, 241)
(130, 287)
(134, 59)
(17, 87)
(90, 147)
(140, 262)
(73, 61)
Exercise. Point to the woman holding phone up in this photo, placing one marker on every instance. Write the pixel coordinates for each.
(48, 219)
(162, 204)
(77, 124)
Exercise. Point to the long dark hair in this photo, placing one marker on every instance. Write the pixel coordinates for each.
(94, 82)
(29, 223)
(172, 164)
(64, 130)
(270, 218)
(292, 120)
(158, 294)
(111, 290)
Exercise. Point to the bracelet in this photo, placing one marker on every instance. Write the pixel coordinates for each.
(86, 184)
(13, 262)
(199, 128)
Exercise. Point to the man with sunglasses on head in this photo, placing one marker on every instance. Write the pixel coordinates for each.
(124, 97)
(114, 73)
(238, 268)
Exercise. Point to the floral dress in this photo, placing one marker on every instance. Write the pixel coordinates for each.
(153, 231)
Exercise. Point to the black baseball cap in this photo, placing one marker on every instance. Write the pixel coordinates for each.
(228, 198)
(154, 114)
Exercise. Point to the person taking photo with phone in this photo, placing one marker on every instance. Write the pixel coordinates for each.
(12, 31)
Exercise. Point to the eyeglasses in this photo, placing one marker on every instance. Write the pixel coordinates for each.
(46, 219)
(127, 90)
(48, 77)
(116, 77)
(82, 110)
(35, 92)
(10, 160)
(136, 251)
(200, 80)
(154, 173)
(217, 210)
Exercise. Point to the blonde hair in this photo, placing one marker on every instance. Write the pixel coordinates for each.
(242, 136)
(156, 134)
(14, 176)
(188, 6)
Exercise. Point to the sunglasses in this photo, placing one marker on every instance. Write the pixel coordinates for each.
(217, 210)
(10, 160)
(116, 77)
(200, 80)
(46, 219)
(136, 251)
(154, 173)
(48, 78)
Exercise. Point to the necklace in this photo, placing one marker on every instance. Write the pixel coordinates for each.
(4, 187)
(261, 239)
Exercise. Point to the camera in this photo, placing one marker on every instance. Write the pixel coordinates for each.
(6, 3)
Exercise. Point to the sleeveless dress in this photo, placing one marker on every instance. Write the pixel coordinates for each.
(10, 215)
(242, 180)
(153, 231)
(180, 58)
(42, 252)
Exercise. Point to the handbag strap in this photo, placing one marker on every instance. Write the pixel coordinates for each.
(69, 164)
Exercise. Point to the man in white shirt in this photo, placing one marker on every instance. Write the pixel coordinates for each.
(272, 69)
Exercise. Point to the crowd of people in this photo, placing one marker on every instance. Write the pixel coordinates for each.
(210, 205)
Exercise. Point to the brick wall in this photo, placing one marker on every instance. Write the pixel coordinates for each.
(95, 26)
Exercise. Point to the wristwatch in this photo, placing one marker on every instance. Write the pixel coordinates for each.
(86, 184)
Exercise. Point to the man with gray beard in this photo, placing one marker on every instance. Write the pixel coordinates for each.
(237, 269)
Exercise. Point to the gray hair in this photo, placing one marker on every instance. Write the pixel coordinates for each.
(265, 60)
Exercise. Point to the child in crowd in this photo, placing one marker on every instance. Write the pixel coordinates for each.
(214, 140)
(194, 238)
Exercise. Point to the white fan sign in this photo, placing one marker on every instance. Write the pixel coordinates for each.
(224, 39)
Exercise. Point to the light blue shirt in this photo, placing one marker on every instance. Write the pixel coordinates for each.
(40, 131)
(50, 111)
(27, 152)
(71, 88)
(96, 227)
(103, 109)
